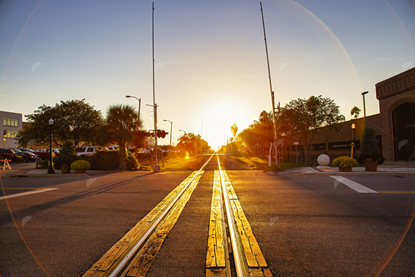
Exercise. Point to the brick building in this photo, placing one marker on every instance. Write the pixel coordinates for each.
(394, 126)
(396, 97)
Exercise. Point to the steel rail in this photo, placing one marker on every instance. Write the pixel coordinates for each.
(240, 263)
(121, 265)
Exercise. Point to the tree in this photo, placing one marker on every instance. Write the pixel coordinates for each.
(188, 142)
(299, 118)
(355, 111)
(234, 130)
(259, 134)
(120, 127)
(307, 116)
(73, 120)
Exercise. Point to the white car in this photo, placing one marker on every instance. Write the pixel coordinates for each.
(89, 150)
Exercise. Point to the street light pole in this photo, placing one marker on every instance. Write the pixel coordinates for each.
(364, 104)
(185, 134)
(353, 144)
(51, 170)
(139, 107)
(171, 128)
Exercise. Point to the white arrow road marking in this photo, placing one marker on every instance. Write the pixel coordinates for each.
(353, 185)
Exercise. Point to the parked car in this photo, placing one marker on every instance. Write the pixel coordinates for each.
(113, 147)
(27, 156)
(89, 150)
(6, 153)
(44, 154)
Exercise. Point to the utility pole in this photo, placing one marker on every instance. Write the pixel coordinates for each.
(156, 166)
(277, 164)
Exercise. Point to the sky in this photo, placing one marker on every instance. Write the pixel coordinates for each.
(210, 61)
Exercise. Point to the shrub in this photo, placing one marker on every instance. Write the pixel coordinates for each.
(104, 160)
(57, 163)
(42, 164)
(17, 159)
(344, 161)
(67, 154)
(81, 164)
(369, 146)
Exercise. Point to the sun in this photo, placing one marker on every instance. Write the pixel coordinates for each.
(219, 121)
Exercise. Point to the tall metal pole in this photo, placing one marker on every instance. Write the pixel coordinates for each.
(364, 104)
(277, 164)
(156, 167)
(51, 169)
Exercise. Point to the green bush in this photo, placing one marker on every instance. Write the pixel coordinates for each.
(80, 165)
(42, 164)
(67, 154)
(110, 160)
(344, 161)
(17, 159)
(104, 160)
(369, 146)
(57, 163)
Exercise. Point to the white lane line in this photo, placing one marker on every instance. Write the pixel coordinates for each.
(25, 193)
(353, 185)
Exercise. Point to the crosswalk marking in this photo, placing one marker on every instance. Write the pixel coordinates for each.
(353, 185)
(25, 193)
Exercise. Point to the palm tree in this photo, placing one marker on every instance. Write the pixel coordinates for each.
(355, 111)
(120, 125)
(234, 129)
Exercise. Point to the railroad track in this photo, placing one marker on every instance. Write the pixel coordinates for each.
(232, 247)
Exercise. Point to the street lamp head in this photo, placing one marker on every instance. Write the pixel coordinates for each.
(51, 122)
(366, 92)
(127, 96)
(353, 126)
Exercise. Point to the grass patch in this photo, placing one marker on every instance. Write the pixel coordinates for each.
(183, 164)
(245, 161)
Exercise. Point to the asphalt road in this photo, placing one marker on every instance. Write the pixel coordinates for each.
(306, 226)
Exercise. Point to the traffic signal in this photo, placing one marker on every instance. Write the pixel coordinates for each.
(160, 133)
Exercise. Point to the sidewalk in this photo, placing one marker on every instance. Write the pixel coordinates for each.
(382, 170)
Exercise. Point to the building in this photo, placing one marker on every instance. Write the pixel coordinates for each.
(396, 97)
(11, 123)
(394, 126)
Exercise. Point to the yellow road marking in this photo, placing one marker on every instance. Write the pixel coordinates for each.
(121, 247)
(145, 257)
(253, 254)
(215, 257)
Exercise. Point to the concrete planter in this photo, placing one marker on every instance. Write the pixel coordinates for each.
(345, 169)
(80, 171)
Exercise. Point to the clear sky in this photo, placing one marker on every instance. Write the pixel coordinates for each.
(210, 56)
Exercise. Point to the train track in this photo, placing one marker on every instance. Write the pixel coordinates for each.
(232, 248)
